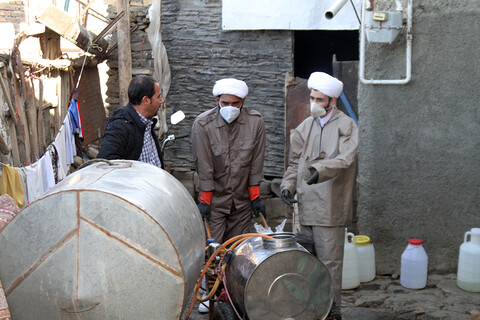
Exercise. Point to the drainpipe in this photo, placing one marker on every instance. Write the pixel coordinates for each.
(361, 69)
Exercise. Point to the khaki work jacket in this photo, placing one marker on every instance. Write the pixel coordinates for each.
(331, 150)
(229, 157)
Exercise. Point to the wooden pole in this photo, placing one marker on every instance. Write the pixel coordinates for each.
(21, 102)
(40, 126)
(124, 51)
(32, 118)
(11, 121)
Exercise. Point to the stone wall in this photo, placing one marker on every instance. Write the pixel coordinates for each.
(419, 148)
(142, 60)
(201, 53)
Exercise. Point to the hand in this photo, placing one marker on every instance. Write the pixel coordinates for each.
(314, 178)
(287, 197)
(258, 207)
(204, 210)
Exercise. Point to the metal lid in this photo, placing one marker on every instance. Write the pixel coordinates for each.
(280, 240)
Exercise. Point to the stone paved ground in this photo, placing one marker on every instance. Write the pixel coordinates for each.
(385, 299)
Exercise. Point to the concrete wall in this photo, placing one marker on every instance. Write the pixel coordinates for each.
(419, 149)
(200, 53)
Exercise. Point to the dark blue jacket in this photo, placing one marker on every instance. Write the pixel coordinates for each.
(123, 137)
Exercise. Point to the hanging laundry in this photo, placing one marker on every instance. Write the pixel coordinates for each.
(23, 179)
(11, 184)
(70, 149)
(39, 177)
(54, 156)
(34, 181)
(46, 170)
(74, 112)
(59, 144)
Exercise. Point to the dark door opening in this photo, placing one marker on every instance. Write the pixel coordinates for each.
(313, 50)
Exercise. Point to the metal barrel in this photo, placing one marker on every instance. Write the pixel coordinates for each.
(278, 279)
(116, 240)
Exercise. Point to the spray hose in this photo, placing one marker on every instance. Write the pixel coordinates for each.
(237, 240)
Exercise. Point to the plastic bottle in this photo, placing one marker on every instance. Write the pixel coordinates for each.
(350, 272)
(366, 258)
(468, 272)
(414, 265)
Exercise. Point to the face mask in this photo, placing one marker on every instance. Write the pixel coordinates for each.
(229, 113)
(317, 110)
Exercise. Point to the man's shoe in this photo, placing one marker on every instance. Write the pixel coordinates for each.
(202, 308)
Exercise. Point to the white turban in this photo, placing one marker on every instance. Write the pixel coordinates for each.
(230, 86)
(326, 84)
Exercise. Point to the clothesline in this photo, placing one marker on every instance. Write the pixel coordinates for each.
(26, 184)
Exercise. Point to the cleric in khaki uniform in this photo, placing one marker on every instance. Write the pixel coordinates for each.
(321, 172)
(228, 148)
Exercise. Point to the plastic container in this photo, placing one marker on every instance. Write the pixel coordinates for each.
(366, 258)
(350, 272)
(414, 265)
(468, 272)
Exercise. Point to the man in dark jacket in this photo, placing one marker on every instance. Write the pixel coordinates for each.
(129, 132)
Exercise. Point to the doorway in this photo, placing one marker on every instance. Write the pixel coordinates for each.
(314, 50)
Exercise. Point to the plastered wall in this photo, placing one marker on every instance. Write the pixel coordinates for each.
(419, 154)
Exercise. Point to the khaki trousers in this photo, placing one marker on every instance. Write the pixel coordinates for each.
(329, 242)
(226, 226)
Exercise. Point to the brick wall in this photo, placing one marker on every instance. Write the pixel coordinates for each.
(12, 11)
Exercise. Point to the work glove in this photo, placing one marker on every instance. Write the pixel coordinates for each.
(258, 207)
(204, 210)
(287, 197)
(314, 178)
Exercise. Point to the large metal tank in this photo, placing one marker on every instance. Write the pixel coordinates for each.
(278, 279)
(121, 241)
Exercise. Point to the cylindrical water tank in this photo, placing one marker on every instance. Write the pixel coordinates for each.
(122, 240)
(278, 279)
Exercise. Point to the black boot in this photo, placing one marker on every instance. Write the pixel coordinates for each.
(335, 313)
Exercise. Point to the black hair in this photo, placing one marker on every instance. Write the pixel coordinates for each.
(139, 87)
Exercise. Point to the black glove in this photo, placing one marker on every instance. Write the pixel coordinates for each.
(287, 197)
(204, 210)
(258, 207)
(314, 178)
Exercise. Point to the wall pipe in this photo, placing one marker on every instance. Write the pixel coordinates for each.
(361, 68)
(350, 110)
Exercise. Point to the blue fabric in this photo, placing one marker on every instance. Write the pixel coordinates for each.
(74, 117)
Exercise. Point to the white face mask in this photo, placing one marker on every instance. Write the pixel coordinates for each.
(229, 113)
(317, 110)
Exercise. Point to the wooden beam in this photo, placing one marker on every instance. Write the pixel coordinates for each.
(21, 103)
(124, 51)
(32, 119)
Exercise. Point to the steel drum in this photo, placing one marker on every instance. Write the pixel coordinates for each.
(122, 240)
(278, 279)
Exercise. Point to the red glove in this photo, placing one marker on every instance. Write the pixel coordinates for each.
(254, 192)
(206, 197)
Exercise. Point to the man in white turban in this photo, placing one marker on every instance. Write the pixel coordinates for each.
(228, 143)
(321, 172)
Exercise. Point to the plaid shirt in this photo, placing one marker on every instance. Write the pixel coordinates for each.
(149, 151)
